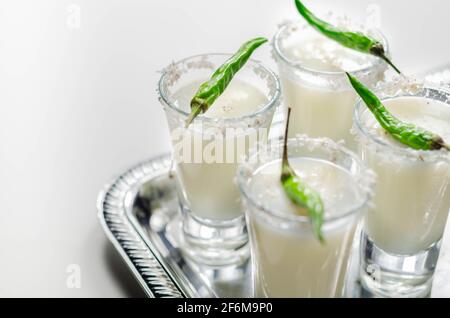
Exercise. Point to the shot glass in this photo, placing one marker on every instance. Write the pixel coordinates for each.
(403, 229)
(287, 258)
(314, 83)
(208, 152)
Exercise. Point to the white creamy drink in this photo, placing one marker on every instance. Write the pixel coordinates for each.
(289, 261)
(412, 195)
(314, 84)
(206, 173)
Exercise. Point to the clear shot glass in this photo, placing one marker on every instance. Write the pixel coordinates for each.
(403, 229)
(287, 259)
(208, 152)
(318, 92)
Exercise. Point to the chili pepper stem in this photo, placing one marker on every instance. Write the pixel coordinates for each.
(445, 146)
(388, 61)
(286, 168)
(194, 112)
(378, 50)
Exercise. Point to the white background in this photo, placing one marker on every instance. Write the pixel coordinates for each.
(78, 106)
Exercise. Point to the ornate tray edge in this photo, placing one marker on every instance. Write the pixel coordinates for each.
(144, 265)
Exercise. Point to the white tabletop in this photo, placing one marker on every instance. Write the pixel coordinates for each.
(78, 106)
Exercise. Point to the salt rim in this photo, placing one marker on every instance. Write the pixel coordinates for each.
(263, 153)
(399, 86)
(440, 76)
(288, 27)
(174, 71)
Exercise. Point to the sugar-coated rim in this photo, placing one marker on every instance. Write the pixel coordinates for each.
(274, 100)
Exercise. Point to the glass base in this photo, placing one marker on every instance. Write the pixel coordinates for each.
(397, 276)
(215, 243)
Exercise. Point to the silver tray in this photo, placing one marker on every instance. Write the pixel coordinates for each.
(140, 215)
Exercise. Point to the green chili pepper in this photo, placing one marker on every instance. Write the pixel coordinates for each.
(212, 89)
(406, 133)
(299, 192)
(352, 40)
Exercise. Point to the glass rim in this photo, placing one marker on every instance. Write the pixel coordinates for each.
(298, 65)
(366, 189)
(361, 109)
(273, 101)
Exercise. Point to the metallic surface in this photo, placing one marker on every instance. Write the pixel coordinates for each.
(139, 212)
